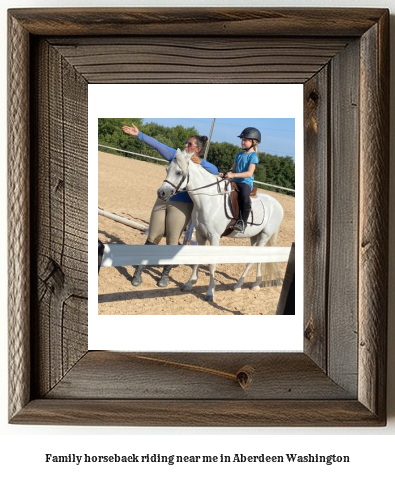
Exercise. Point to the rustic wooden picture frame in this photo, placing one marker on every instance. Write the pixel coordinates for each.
(342, 58)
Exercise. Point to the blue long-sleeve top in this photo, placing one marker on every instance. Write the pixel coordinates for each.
(169, 154)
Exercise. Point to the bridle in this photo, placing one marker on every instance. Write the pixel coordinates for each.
(177, 188)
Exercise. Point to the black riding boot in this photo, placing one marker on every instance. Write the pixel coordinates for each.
(244, 216)
(164, 280)
(136, 279)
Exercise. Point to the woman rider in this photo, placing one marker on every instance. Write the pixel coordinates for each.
(173, 215)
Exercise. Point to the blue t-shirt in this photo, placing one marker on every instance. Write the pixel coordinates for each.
(169, 154)
(243, 161)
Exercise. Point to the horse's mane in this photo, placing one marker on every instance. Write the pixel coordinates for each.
(181, 160)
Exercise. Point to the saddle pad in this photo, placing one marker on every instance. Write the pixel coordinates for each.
(257, 214)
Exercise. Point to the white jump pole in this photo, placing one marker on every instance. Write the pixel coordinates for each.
(116, 255)
(122, 220)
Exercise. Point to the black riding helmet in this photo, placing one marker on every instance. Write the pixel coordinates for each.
(251, 133)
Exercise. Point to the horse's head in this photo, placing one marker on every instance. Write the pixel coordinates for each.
(177, 175)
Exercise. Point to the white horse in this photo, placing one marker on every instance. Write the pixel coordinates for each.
(207, 192)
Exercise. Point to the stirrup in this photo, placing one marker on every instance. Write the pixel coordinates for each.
(239, 226)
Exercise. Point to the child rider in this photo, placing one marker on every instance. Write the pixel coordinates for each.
(242, 173)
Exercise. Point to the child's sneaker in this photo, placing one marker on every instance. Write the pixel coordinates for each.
(239, 226)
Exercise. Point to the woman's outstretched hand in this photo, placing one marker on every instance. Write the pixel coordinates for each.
(132, 130)
(195, 159)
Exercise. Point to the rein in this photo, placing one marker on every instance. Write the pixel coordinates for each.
(208, 185)
(177, 187)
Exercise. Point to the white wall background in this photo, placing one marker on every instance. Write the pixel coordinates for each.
(23, 448)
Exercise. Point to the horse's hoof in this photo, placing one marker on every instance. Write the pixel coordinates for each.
(255, 287)
(185, 288)
(209, 298)
(237, 289)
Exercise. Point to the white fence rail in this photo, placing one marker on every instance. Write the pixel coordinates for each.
(273, 186)
(164, 160)
(135, 154)
(116, 255)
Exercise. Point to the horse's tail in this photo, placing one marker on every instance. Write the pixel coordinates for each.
(271, 273)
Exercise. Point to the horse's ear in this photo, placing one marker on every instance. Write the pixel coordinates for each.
(178, 150)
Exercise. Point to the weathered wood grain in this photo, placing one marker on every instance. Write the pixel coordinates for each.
(374, 219)
(316, 214)
(343, 223)
(201, 413)
(183, 376)
(208, 59)
(18, 212)
(173, 22)
(60, 197)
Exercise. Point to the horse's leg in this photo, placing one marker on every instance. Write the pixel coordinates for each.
(260, 241)
(258, 280)
(257, 241)
(211, 287)
(192, 280)
(214, 241)
(240, 282)
(200, 240)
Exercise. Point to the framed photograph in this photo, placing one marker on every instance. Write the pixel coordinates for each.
(341, 57)
(127, 179)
